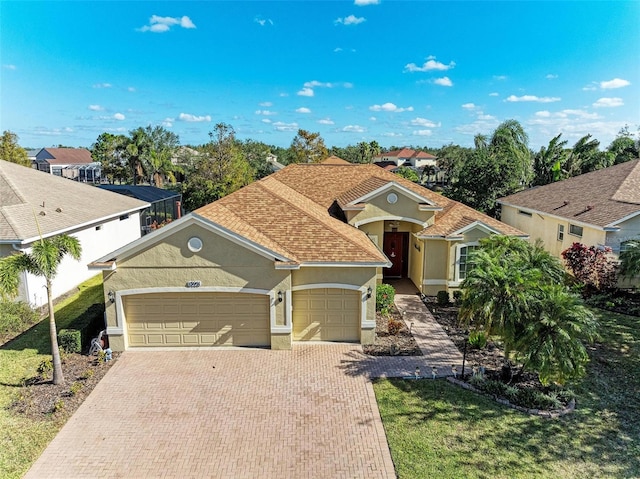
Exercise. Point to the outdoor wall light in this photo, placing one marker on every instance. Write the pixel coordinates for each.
(112, 296)
(369, 292)
(279, 296)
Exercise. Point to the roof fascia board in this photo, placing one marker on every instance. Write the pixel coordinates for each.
(614, 224)
(389, 185)
(390, 218)
(82, 225)
(475, 224)
(323, 264)
(563, 218)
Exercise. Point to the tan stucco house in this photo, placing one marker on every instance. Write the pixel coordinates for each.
(295, 256)
(601, 208)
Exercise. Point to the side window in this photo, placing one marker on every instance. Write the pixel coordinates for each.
(463, 260)
(575, 230)
(560, 232)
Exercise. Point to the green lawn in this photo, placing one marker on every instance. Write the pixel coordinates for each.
(435, 429)
(22, 440)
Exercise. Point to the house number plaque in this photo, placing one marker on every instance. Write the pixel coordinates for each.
(194, 284)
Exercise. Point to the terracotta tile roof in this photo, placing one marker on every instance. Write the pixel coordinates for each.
(72, 156)
(599, 198)
(423, 155)
(407, 153)
(58, 204)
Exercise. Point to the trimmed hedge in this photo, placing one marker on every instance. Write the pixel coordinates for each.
(88, 324)
(70, 340)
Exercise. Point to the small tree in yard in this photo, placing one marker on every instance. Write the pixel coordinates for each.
(630, 260)
(591, 266)
(43, 260)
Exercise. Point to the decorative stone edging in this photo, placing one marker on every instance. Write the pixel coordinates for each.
(556, 413)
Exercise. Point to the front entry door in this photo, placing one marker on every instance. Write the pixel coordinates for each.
(395, 248)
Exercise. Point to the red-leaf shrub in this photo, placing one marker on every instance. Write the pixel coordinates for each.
(591, 266)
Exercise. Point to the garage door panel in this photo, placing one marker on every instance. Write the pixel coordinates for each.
(326, 314)
(198, 319)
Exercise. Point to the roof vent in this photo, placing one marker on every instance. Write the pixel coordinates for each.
(59, 210)
(42, 213)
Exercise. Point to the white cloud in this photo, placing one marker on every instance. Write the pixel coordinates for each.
(326, 121)
(354, 129)
(608, 102)
(265, 112)
(193, 118)
(168, 122)
(316, 83)
(52, 131)
(102, 85)
(423, 122)
(280, 126)
(95, 108)
(392, 134)
(390, 107)
(615, 83)
(131, 89)
(373, 118)
(9, 67)
(469, 106)
(422, 132)
(158, 24)
(592, 87)
(266, 120)
(500, 77)
(575, 114)
(551, 76)
(337, 49)
(350, 20)
(532, 98)
(302, 109)
(430, 64)
(306, 92)
(119, 116)
(444, 81)
(363, 3)
(263, 21)
(494, 94)
(266, 104)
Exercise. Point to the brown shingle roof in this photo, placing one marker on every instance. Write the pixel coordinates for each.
(58, 204)
(72, 156)
(599, 198)
(335, 160)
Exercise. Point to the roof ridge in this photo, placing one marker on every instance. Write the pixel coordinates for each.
(322, 215)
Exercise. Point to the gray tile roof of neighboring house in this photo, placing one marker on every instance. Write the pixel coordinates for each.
(58, 204)
(600, 198)
(64, 156)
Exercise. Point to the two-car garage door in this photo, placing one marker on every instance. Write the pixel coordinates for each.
(197, 319)
(326, 314)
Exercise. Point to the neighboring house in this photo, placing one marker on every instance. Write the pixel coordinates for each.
(295, 256)
(57, 161)
(36, 205)
(601, 208)
(406, 157)
(31, 154)
(166, 205)
(273, 162)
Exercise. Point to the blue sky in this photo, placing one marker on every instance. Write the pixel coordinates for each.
(398, 72)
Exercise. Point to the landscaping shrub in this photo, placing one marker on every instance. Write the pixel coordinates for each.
(394, 326)
(15, 318)
(495, 388)
(70, 340)
(442, 298)
(457, 297)
(477, 339)
(385, 294)
(89, 324)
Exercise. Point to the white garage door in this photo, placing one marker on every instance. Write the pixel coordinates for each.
(197, 319)
(326, 314)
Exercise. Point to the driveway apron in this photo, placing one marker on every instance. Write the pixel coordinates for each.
(305, 413)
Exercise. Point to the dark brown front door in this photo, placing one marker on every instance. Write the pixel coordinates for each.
(395, 248)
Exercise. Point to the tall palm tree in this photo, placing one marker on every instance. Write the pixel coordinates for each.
(549, 161)
(43, 260)
(160, 166)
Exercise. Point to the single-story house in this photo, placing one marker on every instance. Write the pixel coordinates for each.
(295, 256)
(601, 208)
(36, 205)
(58, 160)
(407, 157)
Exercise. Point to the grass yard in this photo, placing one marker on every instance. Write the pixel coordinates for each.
(435, 429)
(22, 439)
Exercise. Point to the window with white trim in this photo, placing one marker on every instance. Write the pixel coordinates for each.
(575, 230)
(560, 232)
(462, 260)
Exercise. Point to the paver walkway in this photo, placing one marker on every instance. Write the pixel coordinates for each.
(306, 413)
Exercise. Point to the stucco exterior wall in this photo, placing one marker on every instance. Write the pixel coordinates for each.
(96, 241)
(629, 230)
(170, 264)
(545, 228)
(375, 231)
(436, 259)
(379, 207)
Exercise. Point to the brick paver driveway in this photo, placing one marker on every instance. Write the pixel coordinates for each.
(306, 413)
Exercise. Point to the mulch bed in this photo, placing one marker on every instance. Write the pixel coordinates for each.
(387, 344)
(40, 399)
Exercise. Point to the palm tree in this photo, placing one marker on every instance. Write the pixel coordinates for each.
(43, 260)
(548, 162)
(160, 166)
(630, 259)
(552, 342)
(136, 150)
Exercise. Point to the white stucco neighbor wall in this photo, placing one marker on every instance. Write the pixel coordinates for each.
(96, 240)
